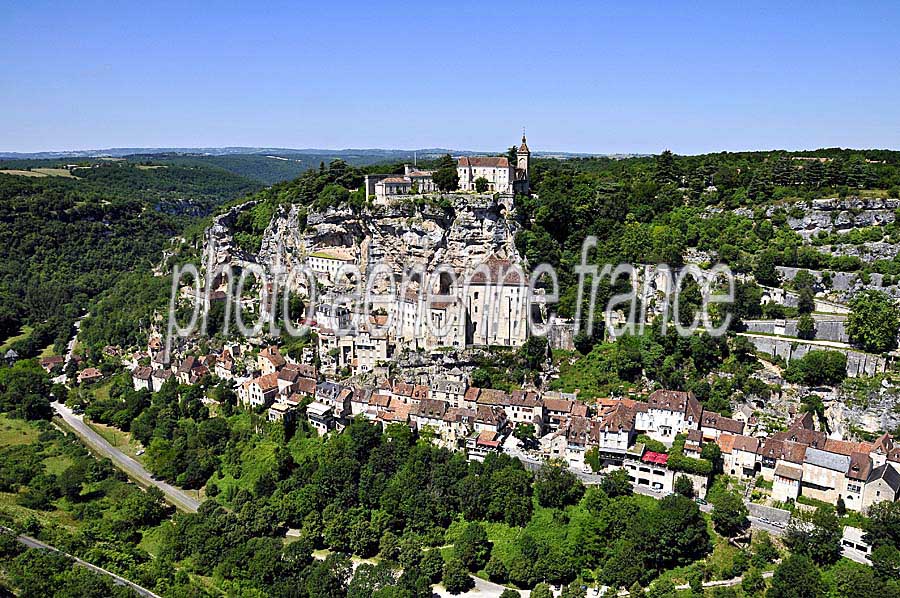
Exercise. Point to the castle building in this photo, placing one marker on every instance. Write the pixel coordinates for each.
(501, 176)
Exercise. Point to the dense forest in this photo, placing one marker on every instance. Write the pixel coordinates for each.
(69, 239)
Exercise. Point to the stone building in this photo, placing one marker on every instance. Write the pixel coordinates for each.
(501, 176)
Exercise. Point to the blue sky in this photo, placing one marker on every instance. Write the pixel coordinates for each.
(591, 77)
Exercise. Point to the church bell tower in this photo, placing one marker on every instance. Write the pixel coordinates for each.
(523, 162)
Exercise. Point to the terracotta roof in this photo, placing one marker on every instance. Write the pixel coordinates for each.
(420, 392)
(711, 419)
(186, 365)
(488, 438)
(844, 447)
(803, 436)
(804, 421)
(288, 375)
(431, 408)
(483, 162)
(676, 400)
(403, 389)
(884, 444)
(746, 443)
(524, 398)
(306, 386)
(267, 382)
(619, 417)
(860, 467)
(400, 413)
(559, 405)
(380, 400)
(489, 415)
(472, 394)
(610, 402)
(492, 396)
(459, 414)
(784, 449)
(273, 355)
(726, 443)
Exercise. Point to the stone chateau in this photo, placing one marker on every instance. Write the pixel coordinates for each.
(501, 176)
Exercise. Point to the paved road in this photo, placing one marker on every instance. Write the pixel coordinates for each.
(34, 543)
(132, 468)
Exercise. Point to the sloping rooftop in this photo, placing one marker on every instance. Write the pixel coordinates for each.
(832, 461)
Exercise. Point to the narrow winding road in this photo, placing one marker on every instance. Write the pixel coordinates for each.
(132, 468)
(34, 543)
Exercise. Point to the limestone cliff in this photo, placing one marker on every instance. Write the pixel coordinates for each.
(460, 231)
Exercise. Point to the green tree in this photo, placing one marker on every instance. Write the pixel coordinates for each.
(446, 176)
(496, 570)
(796, 577)
(684, 486)
(541, 590)
(873, 322)
(806, 327)
(753, 583)
(764, 271)
(555, 486)
(481, 184)
(524, 432)
(817, 536)
(456, 578)
(729, 514)
(883, 524)
(886, 562)
(472, 548)
(616, 484)
(662, 588)
(666, 170)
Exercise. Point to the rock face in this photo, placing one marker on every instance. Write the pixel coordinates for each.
(842, 215)
(459, 231)
(220, 241)
(844, 285)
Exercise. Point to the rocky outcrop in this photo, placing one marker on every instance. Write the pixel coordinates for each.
(459, 231)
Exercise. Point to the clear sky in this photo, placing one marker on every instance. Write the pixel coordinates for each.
(600, 77)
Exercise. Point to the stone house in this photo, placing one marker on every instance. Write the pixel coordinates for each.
(259, 391)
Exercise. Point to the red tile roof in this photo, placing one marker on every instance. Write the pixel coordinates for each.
(657, 458)
(483, 162)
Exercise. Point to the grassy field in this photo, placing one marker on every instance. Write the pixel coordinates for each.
(24, 333)
(16, 431)
(63, 172)
(152, 538)
(39, 172)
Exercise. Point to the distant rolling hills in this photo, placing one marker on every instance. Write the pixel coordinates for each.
(264, 165)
